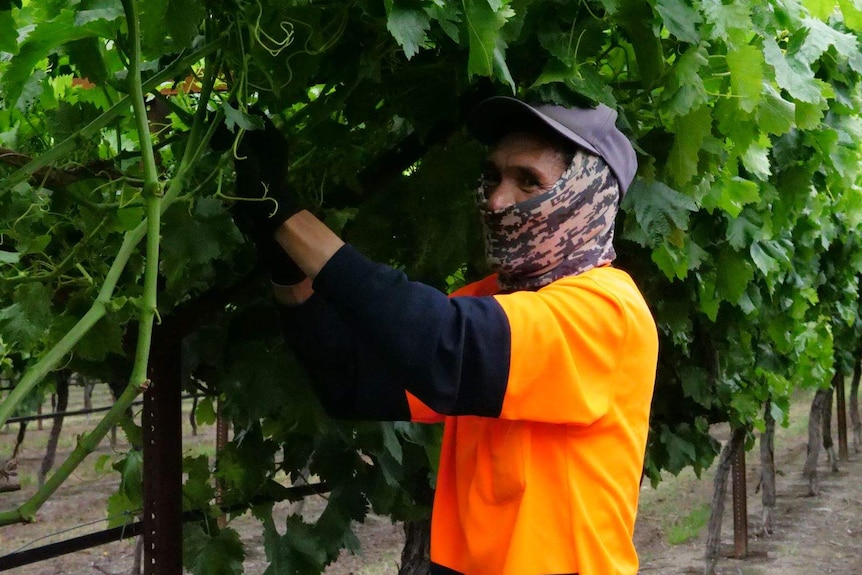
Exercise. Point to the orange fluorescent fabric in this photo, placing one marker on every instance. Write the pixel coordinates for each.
(551, 485)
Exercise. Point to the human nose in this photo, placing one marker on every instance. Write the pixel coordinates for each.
(501, 196)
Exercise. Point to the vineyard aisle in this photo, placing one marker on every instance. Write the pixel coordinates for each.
(820, 535)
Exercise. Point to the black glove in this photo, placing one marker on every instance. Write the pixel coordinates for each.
(261, 180)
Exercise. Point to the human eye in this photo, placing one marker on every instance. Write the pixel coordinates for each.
(529, 182)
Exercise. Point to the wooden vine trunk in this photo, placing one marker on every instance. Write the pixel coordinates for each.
(416, 555)
(855, 423)
(767, 470)
(713, 538)
(62, 380)
(826, 420)
(815, 436)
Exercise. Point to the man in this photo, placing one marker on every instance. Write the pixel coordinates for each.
(542, 373)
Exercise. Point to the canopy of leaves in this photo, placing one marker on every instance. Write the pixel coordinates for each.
(741, 228)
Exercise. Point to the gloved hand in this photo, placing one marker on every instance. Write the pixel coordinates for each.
(261, 182)
(261, 164)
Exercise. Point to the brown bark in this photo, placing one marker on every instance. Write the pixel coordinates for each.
(828, 444)
(57, 425)
(815, 437)
(416, 555)
(855, 423)
(22, 431)
(767, 470)
(713, 539)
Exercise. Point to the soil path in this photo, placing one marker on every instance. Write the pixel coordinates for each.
(813, 535)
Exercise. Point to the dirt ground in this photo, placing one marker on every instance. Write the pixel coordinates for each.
(821, 535)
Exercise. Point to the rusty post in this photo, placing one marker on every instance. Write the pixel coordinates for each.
(162, 422)
(841, 406)
(221, 441)
(740, 505)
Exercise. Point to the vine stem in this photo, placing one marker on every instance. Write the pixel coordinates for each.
(130, 242)
(156, 205)
(86, 444)
(152, 195)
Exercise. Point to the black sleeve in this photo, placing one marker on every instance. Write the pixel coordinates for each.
(451, 353)
(349, 376)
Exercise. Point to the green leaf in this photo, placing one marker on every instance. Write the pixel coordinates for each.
(390, 441)
(9, 257)
(852, 10)
(121, 510)
(764, 262)
(691, 130)
(680, 19)
(205, 413)
(104, 338)
(409, 26)
(724, 18)
(707, 296)
(731, 195)
(8, 33)
(25, 322)
(685, 90)
(808, 116)
(218, 554)
(821, 9)
(658, 209)
(236, 118)
(184, 18)
(791, 74)
(756, 160)
(746, 75)
(131, 469)
(44, 39)
(191, 243)
(197, 489)
(106, 10)
(733, 274)
(483, 30)
(821, 37)
(775, 114)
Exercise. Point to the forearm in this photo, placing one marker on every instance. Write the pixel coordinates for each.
(308, 241)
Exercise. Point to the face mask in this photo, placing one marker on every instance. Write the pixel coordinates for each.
(565, 231)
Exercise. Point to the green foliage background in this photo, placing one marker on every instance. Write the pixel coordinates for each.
(741, 228)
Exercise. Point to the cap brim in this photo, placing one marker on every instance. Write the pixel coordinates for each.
(495, 117)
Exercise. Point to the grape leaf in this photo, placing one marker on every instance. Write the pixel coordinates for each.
(756, 159)
(483, 30)
(691, 130)
(680, 19)
(732, 194)
(775, 115)
(184, 18)
(409, 26)
(821, 37)
(792, 74)
(852, 11)
(8, 33)
(733, 274)
(26, 320)
(658, 208)
(821, 9)
(44, 39)
(726, 17)
(746, 75)
(685, 90)
(217, 554)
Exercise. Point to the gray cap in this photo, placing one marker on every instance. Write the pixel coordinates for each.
(593, 129)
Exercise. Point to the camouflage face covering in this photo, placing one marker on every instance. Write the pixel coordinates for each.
(564, 231)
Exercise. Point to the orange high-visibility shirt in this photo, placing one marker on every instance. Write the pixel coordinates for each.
(551, 485)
